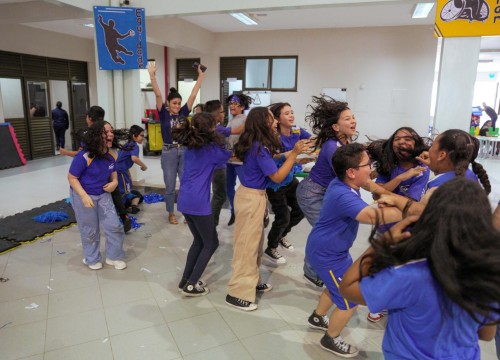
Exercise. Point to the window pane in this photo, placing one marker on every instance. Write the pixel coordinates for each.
(256, 73)
(12, 98)
(284, 73)
(37, 95)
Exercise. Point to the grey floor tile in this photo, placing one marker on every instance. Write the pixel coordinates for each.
(98, 349)
(22, 340)
(231, 351)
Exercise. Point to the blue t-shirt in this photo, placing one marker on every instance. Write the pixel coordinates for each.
(124, 161)
(322, 172)
(288, 142)
(257, 166)
(168, 121)
(447, 176)
(225, 131)
(418, 325)
(412, 188)
(94, 173)
(335, 231)
(199, 165)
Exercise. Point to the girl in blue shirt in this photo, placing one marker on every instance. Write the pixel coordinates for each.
(334, 125)
(92, 178)
(256, 147)
(439, 283)
(127, 157)
(206, 150)
(449, 157)
(172, 154)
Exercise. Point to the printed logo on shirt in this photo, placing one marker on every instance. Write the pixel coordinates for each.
(111, 166)
(404, 189)
(296, 130)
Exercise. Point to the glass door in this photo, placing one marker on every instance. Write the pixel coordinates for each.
(40, 128)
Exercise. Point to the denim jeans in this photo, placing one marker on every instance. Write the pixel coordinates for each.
(219, 193)
(89, 221)
(310, 198)
(172, 164)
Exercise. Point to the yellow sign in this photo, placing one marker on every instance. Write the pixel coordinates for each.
(467, 18)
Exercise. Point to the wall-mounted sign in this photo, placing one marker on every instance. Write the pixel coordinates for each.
(456, 18)
(120, 37)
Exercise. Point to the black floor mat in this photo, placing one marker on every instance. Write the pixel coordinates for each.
(6, 245)
(22, 228)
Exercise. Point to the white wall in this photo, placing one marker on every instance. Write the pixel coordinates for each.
(388, 72)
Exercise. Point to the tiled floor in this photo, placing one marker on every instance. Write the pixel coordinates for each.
(53, 307)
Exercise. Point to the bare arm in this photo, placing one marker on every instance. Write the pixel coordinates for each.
(196, 88)
(156, 88)
(385, 215)
(349, 287)
(284, 170)
(487, 332)
(113, 183)
(80, 191)
(66, 152)
(375, 188)
(138, 161)
(238, 130)
(394, 183)
(496, 217)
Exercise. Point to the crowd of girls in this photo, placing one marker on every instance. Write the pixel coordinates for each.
(432, 263)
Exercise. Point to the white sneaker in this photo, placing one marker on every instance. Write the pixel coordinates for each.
(118, 264)
(96, 266)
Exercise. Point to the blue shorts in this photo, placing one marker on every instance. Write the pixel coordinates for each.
(332, 277)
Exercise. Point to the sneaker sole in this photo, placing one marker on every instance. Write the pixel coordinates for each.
(264, 291)
(96, 266)
(270, 258)
(291, 248)
(195, 295)
(374, 320)
(242, 308)
(339, 354)
(117, 268)
(314, 327)
(312, 283)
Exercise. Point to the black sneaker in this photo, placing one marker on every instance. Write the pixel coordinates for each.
(240, 303)
(231, 220)
(194, 290)
(286, 244)
(338, 346)
(274, 256)
(127, 224)
(183, 283)
(315, 282)
(263, 287)
(318, 322)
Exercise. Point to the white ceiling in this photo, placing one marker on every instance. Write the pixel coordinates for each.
(53, 15)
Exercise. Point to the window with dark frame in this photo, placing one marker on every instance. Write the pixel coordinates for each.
(262, 73)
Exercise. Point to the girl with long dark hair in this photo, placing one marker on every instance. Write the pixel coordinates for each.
(439, 282)
(283, 199)
(256, 147)
(334, 125)
(206, 150)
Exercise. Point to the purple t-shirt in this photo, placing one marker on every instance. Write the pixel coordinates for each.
(423, 323)
(168, 121)
(256, 168)
(94, 173)
(335, 231)
(413, 188)
(447, 176)
(199, 165)
(322, 172)
(124, 161)
(288, 142)
(224, 131)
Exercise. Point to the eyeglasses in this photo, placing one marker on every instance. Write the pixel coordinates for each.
(234, 103)
(370, 164)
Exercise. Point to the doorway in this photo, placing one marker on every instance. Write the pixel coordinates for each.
(59, 92)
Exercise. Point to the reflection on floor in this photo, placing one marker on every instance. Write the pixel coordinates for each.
(53, 307)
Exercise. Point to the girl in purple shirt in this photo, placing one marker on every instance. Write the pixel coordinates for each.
(92, 178)
(206, 150)
(335, 125)
(256, 147)
(172, 154)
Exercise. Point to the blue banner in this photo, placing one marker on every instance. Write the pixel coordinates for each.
(121, 37)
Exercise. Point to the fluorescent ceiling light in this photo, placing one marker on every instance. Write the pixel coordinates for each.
(422, 10)
(89, 25)
(245, 18)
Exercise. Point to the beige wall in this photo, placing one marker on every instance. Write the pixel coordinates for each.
(388, 71)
